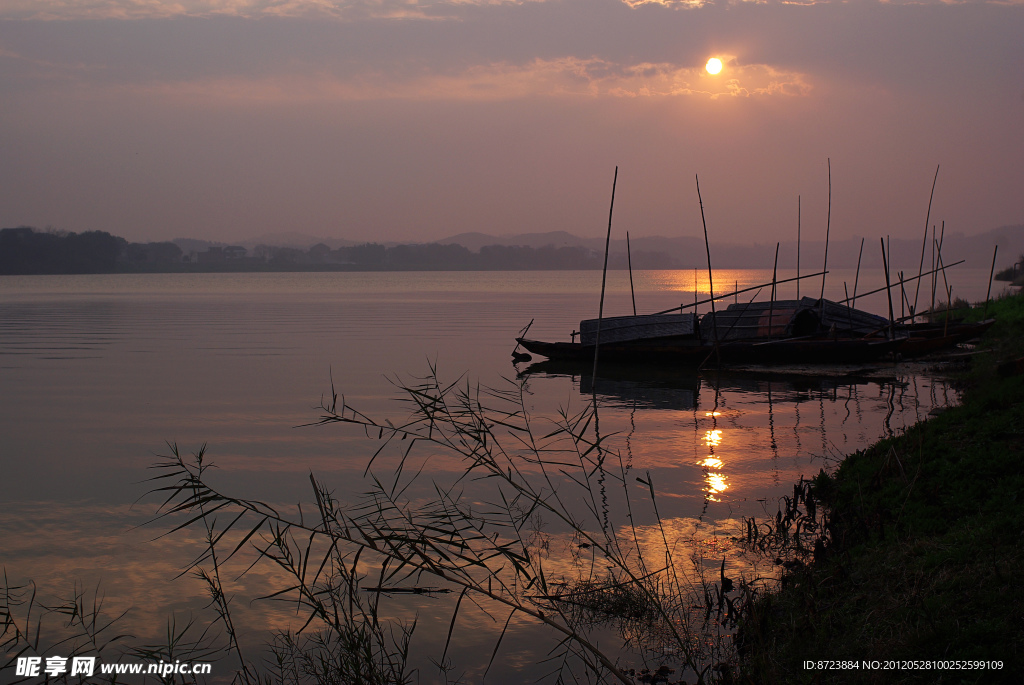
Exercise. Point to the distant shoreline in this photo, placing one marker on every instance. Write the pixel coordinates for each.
(313, 268)
(25, 250)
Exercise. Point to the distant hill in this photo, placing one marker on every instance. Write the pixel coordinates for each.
(296, 240)
(689, 251)
(189, 245)
(475, 241)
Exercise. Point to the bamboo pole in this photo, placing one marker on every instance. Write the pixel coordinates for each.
(604, 274)
(771, 306)
(856, 277)
(798, 247)
(904, 299)
(888, 254)
(938, 260)
(888, 248)
(888, 289)
(924, 241)
(945, 281)
(946, 289)
(991, 273)
(775, 271)
(629, 262)
(521, 335)
(849, 310)
(878, 290)
(711, 283)
(934, 276)
(828, 229)
(949, 305)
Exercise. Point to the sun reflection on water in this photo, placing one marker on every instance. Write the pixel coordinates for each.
(715, 482)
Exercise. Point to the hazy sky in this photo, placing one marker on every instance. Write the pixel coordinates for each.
(418, 119)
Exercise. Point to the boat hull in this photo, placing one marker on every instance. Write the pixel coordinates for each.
(931, 338)
(787, 351)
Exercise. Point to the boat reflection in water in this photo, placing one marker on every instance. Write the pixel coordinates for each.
(639, 386)
(739, 437)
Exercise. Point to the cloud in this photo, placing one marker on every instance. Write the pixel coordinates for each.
(697, 4)
(497, 92)
(251, 9)
(673, 4)
(570, 77)
(356, 10)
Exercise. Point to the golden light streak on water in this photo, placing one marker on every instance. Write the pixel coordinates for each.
(713, 438)
(717, 484)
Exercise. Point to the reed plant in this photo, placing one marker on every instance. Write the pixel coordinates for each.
(31, 626)
(485, 535)
(77, 625)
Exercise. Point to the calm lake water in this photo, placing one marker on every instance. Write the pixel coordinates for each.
(98, 373)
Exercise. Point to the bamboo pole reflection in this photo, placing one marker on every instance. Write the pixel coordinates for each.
(796, 426)
(774, 442)
(715, 482)
(821, 427)
(917, 400)
(846, 406)
(629, 437)
(891, 409)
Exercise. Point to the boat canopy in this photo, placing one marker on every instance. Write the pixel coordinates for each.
(789, 319)
(617, 329)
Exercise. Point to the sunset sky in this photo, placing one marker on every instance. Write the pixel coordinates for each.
(419, 119)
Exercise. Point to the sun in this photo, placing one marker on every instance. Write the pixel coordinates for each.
(714, 65)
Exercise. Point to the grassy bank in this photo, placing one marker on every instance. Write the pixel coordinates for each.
(925, 546)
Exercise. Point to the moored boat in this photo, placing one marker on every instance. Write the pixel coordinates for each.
(776, 332)
(923, 339)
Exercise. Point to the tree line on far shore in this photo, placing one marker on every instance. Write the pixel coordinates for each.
(25, 250)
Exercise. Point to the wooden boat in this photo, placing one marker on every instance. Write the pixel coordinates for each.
(805, 331)
(923, 339)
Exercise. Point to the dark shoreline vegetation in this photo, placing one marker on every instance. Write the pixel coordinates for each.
(25, 251)
(907, 552)
(1014, 273)
(923, 545)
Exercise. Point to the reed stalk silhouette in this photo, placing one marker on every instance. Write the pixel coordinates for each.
(482, 535)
